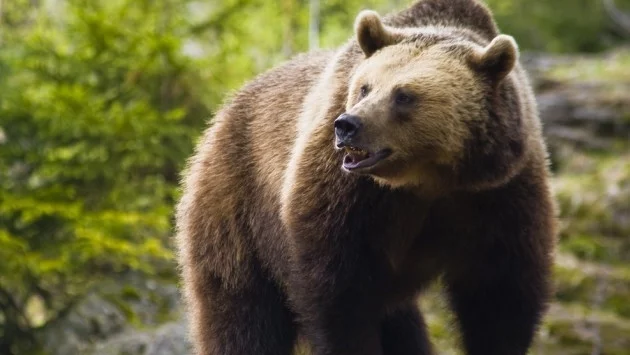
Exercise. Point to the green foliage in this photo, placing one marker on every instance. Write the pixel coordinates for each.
(561, 25)
(98, 117)
(612, 70)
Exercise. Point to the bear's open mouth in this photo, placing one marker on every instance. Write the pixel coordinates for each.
(357, 158)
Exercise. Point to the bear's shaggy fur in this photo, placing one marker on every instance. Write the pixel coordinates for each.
(290, 225)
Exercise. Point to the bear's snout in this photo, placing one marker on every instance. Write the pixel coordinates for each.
(346, 127)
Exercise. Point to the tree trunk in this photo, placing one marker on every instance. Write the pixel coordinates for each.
(313, 26)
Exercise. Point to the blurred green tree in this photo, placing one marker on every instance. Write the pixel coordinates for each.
(98, 110)
(561, 25)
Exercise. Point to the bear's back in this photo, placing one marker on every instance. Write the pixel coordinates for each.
(261, 119)
(465, 14)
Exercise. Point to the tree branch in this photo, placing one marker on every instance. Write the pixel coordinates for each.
(215, 20)
(12, 304)
(621, 19)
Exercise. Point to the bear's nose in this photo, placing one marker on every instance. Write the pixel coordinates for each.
(346, 127)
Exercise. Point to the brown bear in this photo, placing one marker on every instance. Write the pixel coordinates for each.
(329, 192)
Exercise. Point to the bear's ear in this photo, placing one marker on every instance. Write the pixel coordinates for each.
(372, 34)
(497, 59)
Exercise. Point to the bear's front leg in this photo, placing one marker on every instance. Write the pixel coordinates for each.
(338, 298)
(500, 281)
(338, 279)
(404, 332)
(499, 307)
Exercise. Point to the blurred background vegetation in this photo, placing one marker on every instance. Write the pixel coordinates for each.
(102, 101)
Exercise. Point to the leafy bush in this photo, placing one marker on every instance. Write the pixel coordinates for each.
(97, 118)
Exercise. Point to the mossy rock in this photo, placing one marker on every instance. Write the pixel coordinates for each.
(576, 329)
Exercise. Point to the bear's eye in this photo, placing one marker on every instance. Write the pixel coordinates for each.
(402, 98)
(364, 91)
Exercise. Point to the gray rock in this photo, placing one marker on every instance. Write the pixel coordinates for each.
(91, 319)
(107, 321)
(168, 339)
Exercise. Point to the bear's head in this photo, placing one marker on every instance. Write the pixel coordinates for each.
(429, 109)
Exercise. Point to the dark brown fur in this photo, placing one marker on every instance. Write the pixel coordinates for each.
(275, 240)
